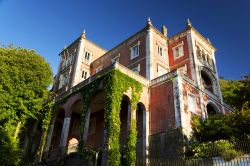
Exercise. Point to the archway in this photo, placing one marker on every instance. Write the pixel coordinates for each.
(124, 120)
(211, 109)
(207, 81)
(74, 129)
(140, 130)
(58, 125)
(96, 121)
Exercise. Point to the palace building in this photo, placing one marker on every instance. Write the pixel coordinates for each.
(178, 79)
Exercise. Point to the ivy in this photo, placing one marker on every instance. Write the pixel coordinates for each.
(115, 84)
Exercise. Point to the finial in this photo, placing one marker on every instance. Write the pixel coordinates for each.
(83, 34)
(188, 24)
(149, 21)
(164, 31)
(65, 46)
(208, 40)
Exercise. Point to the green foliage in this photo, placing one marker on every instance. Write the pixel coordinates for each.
(46, 119)
(25, 77)
(130, 148)
(87, 153)
(222, 148)
(115, 84)
(236, 93)
(214, 128)
(9, 147)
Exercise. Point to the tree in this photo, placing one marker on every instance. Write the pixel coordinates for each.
(24, 80)
(221, 131)
(236, 93)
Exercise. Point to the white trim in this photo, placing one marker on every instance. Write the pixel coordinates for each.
(149, 54)
(194, 68)
(195, 106)
(181, 45)
(78, 62)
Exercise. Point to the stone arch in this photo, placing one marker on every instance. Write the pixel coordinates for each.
(141, 130)
(74, 128)
(71, 102)
(208, 80)
(95, 122)
(58, 126)
(211, 108)
(125, 115)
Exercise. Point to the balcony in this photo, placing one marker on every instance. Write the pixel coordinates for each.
(206, 64)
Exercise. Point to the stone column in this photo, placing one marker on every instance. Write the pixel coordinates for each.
(64, 136)
(86, 127)
(48, 142)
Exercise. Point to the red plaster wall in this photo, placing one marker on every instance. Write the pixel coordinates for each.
(124, 50)
(96, 140)
(162, 115)
(179, 62)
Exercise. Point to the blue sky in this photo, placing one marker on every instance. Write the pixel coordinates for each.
(48, 25)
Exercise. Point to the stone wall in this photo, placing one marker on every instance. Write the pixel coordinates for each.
(166, 145)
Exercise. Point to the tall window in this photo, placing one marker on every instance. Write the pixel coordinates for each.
(87, 55)
(134, 51)
(161, 51)
(84, 74)
(178, 51)
(192, 103)
(63, 80)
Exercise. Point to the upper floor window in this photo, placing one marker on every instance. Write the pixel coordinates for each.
(67, 60)
(161, 51)
(136, 69)
(115, 59)
(178, 51)
(99, 68)
(87, 55)
(161, 70)
(206, 81)
(63, 80)
(84, 74)
(192, 103)
(134, 51)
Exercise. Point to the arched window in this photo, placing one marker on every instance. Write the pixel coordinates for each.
(207, 81)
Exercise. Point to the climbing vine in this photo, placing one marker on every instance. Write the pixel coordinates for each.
(115, 84)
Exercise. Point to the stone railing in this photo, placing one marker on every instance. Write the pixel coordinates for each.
(164, 77)
(210, 94)
(205, 63)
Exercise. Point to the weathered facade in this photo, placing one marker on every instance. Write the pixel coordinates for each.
(179, 79)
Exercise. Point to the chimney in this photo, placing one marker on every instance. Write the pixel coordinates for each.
(164, 30)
